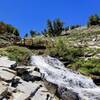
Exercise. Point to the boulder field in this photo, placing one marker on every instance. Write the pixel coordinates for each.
(21, 82)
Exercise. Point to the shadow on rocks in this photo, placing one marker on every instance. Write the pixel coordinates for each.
(66, 94)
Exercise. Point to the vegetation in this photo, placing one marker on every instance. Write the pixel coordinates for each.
(88, 67)
(33, 33)
(8, 28)
(74, 26)
(64, 52)
(8, 34)
(78, 48)
(19, 54)
(94, 20)
(54, 28)
(26, 35)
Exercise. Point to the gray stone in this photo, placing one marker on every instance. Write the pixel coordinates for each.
(66, 94)
(6, 74)
(5, 62)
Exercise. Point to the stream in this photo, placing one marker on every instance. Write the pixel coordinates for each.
(54, 72)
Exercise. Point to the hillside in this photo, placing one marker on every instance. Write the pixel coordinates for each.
(79, 49)
(36, 64)
(8, 34)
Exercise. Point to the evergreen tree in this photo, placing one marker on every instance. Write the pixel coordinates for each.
(54, 28)
(94, 20)
(7, 28)
(26, 35)
(50, 28)
(32, 33)
(58, 27)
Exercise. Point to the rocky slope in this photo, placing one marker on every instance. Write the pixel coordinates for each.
(21, 82)
(46, 79)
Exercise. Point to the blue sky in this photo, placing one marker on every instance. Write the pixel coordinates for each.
(33, 14)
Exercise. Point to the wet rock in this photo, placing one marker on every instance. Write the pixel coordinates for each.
(13, 66)
(43, 94)
(21, 71)
(96, 81)
(15, 82)
(52, 88)
(36, 76)
(61, 92)
(28, 77)
(34, 73)
(66, 94)
(28, 74)
(36, 69)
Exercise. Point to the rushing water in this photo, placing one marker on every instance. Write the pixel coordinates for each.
(55, 72)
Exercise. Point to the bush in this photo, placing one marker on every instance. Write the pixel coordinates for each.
(75, 26)
(62, 51)
(20, 54)
(90, 66)
(7, 28)
(33, 33)
(94, 20)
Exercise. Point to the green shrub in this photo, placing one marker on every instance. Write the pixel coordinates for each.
(90, 66)
(94, 20)
(20, 54)
(64, 52)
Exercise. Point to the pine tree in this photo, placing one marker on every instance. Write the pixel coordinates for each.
(94, 20)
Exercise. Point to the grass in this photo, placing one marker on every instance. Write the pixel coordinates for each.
(62, 51)
(20, 54)
(90, 66)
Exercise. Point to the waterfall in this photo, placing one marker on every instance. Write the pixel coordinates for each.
(55, 72)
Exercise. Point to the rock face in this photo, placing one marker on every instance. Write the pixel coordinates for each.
(66, 94)
(21, 82)
(5, 62)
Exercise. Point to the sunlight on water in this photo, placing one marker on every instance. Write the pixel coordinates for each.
(55, 72)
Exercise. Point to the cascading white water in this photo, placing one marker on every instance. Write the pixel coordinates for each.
(56, 73)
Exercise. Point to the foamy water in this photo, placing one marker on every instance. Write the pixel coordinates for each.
(55, 72)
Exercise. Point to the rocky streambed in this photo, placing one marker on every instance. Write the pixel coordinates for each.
(21, 82)
(71, 85)
(46, 79)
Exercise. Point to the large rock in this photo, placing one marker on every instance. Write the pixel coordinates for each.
(61, 92)
(27, 73)
(43, 94)
(6, 74)
(3, 87)
(66, 94)
(30, 91)
(5, 62)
